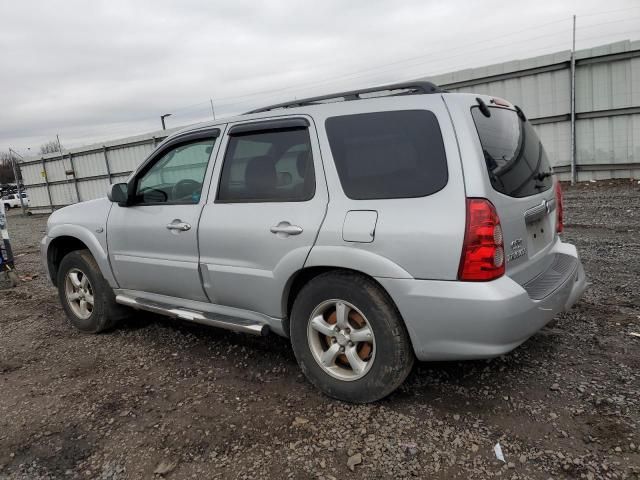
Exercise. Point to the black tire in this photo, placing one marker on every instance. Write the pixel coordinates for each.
(106, 312)
(7, 206)
(394, 356)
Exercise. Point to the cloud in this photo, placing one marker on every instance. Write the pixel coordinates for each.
(103, 69)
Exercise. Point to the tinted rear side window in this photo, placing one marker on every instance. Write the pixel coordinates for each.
(514, 156)
(397, 154)
(271, 166)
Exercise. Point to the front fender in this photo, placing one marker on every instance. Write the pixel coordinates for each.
(97, 245)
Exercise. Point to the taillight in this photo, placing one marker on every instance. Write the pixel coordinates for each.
(559, 213)
(483, 249)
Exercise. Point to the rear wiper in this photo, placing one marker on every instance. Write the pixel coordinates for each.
(542, 175)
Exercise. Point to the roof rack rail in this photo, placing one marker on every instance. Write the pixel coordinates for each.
(413, 88)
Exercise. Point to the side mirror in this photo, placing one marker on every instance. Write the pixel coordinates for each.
(118, 193)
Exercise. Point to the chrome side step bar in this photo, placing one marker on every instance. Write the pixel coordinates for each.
(204, 318)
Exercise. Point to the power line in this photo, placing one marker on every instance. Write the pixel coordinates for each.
(628, 32)
(401, 61)
(385, 67)
(449, 68)
(607, 23)
(188, 107)
(203, 107)
(608, 11)
(435, 59)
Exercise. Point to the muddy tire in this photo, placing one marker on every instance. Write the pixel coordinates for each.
(85, 295)
(349, 338)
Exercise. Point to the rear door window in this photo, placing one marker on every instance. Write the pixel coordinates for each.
(514, 156)
(397, 154)
(268, 166)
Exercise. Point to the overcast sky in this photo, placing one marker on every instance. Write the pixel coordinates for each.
(99, 70)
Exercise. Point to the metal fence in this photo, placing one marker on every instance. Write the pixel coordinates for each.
(607, 93)
(84, 173)
(607, 105)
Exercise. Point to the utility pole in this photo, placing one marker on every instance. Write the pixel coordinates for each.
(213, 112)
(15, 175)
(162, 117)
(573, 105)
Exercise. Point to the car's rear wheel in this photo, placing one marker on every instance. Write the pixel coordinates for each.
(349, 338)
(7, 206)
(85, 295)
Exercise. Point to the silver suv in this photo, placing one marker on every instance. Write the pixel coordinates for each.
(370, 227)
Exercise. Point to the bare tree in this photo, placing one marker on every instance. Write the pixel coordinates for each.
(6, 168)
(51, 146)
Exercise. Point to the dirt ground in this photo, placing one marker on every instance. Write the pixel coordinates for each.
(187, 401)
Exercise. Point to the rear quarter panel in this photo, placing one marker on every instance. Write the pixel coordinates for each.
(414, 237)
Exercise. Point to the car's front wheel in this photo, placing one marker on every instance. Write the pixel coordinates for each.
(349, 338)
(86, 297)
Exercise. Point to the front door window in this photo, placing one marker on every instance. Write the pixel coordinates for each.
(176, 178)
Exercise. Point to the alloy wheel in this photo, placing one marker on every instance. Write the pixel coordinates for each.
(341, 340)
(79, 293)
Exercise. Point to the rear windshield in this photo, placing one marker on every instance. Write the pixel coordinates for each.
(515, 158)
(397, 154)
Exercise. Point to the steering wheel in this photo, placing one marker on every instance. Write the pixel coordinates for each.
(185, 188)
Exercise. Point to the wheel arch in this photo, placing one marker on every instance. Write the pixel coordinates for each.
(59, 248)
(62, 242)
(303, 276)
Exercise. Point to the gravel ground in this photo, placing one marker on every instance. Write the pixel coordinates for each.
(159, 398)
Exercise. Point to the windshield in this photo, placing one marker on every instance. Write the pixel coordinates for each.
(515, 158)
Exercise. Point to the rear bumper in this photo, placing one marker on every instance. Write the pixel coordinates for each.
(450, 320)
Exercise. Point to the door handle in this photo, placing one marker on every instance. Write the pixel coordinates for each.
(284, 229)
(178, 225)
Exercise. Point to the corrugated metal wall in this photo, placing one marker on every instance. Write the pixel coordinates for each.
(607, 105)
(607, 123)
(84, 173)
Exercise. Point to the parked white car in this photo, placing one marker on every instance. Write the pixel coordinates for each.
(13, 200)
